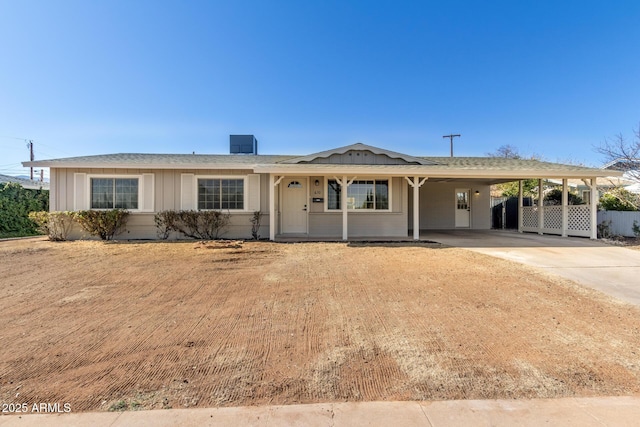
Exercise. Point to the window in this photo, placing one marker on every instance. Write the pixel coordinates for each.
(362, 194)
(114, 193)
(220, 193)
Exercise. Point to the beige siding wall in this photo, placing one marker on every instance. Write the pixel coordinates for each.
(360, 224)
(166, 196)
(437, 205)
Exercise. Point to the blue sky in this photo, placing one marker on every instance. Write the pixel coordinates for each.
(554, 78)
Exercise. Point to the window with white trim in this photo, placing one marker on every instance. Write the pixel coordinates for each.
(114, 193)
(220, 193)
(361, 195)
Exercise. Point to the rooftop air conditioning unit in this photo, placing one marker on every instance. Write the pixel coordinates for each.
(243, 144)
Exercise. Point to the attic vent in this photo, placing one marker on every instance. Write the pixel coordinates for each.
(243, 144)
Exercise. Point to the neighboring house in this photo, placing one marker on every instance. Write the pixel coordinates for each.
(25, 183)
(631, 173)
(357, 191)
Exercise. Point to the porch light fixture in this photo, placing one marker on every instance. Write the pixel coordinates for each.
(317, 183)
(477, 193)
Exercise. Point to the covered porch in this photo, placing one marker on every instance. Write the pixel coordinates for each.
(409, 203)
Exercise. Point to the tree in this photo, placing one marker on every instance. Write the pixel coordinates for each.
(624, 155)
(506, 151)
(512, 189)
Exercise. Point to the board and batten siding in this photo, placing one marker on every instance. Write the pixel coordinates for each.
(360, 224)
(437, 205)
(162, 190)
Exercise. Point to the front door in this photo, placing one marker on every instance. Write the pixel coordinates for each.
(294, 205)
(463, 208)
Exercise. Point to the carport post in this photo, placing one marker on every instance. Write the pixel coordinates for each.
(520, 206)
(565, 207)
(540, 206)
(272, 208)
(594, 208)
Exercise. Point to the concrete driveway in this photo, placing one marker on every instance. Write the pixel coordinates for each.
(611, 269)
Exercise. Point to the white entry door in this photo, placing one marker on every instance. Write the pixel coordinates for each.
(294, 205)
(463, 208)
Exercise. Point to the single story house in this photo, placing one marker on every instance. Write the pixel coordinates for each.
(356, 191)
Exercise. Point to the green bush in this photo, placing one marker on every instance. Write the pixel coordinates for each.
(554, 198)
(15, 204)
(194, 224)
(619, 200)
(104, 224)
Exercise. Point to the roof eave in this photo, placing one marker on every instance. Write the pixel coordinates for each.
(426, 171)
(109, 165)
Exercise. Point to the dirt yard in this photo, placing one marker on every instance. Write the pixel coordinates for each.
(156, 325)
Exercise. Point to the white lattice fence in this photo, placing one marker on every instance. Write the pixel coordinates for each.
(530, 218)
(579, 221)
(553, 219)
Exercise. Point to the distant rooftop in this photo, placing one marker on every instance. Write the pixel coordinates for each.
(25, 183)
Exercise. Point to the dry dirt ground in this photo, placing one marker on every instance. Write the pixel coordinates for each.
(157, 325)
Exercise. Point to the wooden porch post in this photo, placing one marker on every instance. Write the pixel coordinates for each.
(540, 207)
(520, 205)
(344, 186)
(416, 209)
(565, 206)
(594, 208)
(272, 207)
(416, 183)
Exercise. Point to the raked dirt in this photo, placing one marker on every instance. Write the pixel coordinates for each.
(172, 325)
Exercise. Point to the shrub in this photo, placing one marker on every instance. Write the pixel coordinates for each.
(619, 200)
(165, 223)
(104, 224)
(604, 230)
(15, 204)
(54, 224)
(194, 224)
(255, 224)
(554, 198)
(636, 229)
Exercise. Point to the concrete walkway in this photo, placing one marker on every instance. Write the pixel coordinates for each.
(607, 411)
(610, 269)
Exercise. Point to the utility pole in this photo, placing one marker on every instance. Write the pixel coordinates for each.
(451, 140)
(31, 157)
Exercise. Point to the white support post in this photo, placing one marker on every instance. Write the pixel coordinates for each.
(594, 208)
(416, 209)
(344, 187)
(540, 206)
(272, 207)
(565, 207)
(416, 183)
(520, 206)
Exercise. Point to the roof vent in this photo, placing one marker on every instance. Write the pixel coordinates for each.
(243, 144)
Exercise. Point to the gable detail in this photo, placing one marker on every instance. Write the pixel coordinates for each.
(360, 154)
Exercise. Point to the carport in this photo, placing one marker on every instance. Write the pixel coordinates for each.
(610, 269)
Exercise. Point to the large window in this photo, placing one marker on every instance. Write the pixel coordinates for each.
(362, 194)
(220, 193)
(114, 193)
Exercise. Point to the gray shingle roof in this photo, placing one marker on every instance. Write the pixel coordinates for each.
(271, 163)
